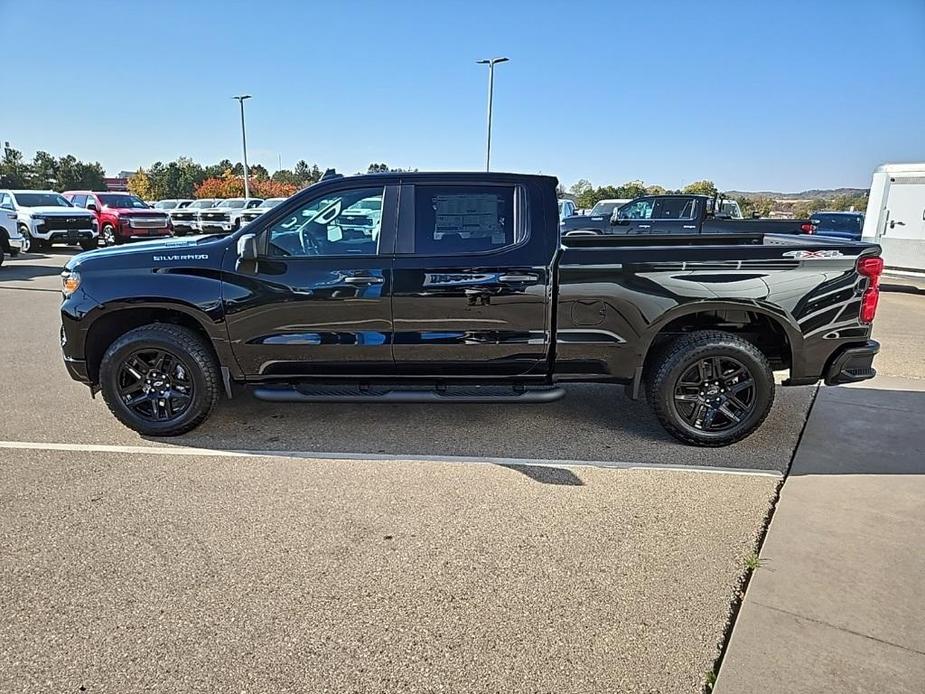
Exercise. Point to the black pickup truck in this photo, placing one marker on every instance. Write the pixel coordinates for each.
(680, 214)
(456, 287)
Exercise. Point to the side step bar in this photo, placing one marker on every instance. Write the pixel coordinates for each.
(356, 393)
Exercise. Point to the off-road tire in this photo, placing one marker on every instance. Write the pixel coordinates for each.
(678, 356)
(89, 245)
(185, 344)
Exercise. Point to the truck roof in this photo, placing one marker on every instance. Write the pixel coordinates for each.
(451, 176)
(900, 168)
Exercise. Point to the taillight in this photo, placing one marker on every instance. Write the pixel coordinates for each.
(870, 267)
(808, 228)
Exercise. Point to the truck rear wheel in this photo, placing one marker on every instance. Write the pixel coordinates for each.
(160, 379)
(710, 388)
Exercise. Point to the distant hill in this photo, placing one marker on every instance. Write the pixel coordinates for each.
(824, 193)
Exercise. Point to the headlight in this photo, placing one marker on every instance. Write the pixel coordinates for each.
(70, 281)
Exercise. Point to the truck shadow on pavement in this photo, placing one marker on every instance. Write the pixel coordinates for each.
(864, 431)
(593, 424)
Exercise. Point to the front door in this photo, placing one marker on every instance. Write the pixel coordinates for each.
(317, 299)
(471, 285)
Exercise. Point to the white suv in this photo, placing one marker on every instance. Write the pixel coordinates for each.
(10, 238)
(226, 215)
(44, 217)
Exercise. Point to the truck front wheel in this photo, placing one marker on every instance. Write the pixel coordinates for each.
(160, 379)
(710, 388)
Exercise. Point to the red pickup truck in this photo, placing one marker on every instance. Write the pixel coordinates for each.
(122, 216)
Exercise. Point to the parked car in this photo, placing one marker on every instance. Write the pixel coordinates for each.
(225, 216)
(467, 294)
(680, 214)
(44, 217)
(185, 220)
(10, 237)
(122, 217)
(597, 218)
(567, 208)
(173, 204)
(252, 213)
(842, 225)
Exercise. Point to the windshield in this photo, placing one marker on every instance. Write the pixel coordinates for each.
(272, 202)
(838, 222)
(200, 204)
(730, 208)
(603, 208)
(122, 201)
(165, 204)
(235, 204)
(41, 200)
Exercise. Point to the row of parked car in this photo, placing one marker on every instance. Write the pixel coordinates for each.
(32, 220)
(208, 215)
(695, 214)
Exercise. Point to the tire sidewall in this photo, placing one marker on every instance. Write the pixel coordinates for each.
(764, 393)
(203, 397)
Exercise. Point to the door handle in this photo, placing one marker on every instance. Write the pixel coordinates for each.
(894, 223)
(518, 278)
(363, 279)
(644, 226)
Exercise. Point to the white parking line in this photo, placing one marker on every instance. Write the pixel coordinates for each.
(321, 455)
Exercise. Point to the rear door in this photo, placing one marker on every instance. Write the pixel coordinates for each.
(673, 215)
(471, 284)
(316, 302)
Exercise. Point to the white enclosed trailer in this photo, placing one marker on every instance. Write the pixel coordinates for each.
(896, 215)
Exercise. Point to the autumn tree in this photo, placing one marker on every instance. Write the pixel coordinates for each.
(140, 185)
(704, 187)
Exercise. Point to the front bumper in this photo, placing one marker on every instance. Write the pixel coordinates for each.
(208, 225)
(77, 369)
(15, 243)
(852, 364)
(67, 236)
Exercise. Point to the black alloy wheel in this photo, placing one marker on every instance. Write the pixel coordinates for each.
(715, 394)
(160, 379)
(710, 388)
(156, 385)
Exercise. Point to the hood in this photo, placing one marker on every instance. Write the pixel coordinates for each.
(136, 211)
(53, 210)
(155, 253)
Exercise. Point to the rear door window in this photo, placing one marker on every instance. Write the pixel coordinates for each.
(461, 219)
(673, 208)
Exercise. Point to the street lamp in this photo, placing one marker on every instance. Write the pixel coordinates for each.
(241, 99)
(490, 62)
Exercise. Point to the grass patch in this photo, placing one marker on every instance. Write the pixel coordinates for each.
(752, 561)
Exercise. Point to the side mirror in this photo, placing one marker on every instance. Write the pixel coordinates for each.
(91, 205)
(247, 247)
(756, 215)
(617, 220)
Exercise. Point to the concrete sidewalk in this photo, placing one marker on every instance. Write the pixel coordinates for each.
(838, 603)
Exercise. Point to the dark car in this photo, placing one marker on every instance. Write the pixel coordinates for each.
(841, 225)
(456, 287)
(681, 214)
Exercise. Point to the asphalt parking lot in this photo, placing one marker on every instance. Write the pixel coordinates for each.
(367, 548)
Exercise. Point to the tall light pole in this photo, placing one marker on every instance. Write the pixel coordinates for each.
(241, 99)
(490, 62)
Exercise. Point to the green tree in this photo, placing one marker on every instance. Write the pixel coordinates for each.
(704, 187)
(14, 172)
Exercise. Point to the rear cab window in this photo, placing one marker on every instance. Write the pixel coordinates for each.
(464, 219)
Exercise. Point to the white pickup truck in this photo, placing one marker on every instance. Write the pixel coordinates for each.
(44, 217)
(10, 239)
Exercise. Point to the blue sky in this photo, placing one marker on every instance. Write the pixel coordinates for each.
(781, 96)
